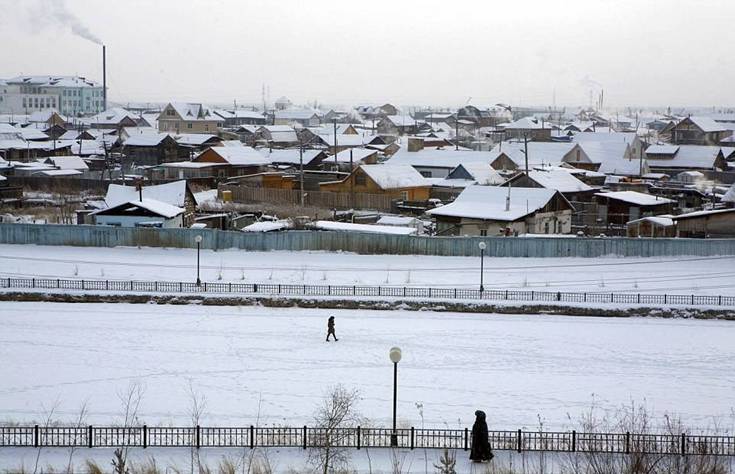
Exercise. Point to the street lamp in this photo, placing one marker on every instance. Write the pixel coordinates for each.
(198, 240)
(482, 246)
(395, 357)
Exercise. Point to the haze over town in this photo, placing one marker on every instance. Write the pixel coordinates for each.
(654, 53)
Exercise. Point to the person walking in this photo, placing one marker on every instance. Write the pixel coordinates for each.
(330, 329)
(480, 450)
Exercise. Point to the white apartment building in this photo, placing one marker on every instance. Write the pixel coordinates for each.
(69, 95)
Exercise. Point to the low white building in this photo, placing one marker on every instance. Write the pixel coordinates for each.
(493, 211)
(145, 213)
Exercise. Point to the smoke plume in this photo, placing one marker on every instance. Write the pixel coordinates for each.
(56, 11)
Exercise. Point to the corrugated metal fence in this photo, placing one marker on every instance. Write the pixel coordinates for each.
(362, 243)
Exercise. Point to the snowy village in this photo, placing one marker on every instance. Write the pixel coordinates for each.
(282, 237)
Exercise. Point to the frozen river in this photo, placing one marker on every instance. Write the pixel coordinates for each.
(516, 368)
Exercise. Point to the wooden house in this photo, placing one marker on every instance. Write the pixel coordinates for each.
(698, 131)
(621, 207)
(153, 149)
(398, 181)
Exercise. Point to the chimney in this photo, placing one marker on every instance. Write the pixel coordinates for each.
(104, 77)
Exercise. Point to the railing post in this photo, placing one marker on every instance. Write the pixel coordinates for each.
(198, 439)
(519, 446)
(229, 287)
(692, 299)
(304, 434)
(639, 298)
(719, 300)
(574, 441)
(358, 437)
(90, 436)
(611, 297)
(205, 286)
(107, 284)
(255, 287)
(466, 439)
(83, 284)
(155, 286)
(455, 293)
(585, 297)
(558, 296)
(429, 292)
(532, 295)
(683, 444)
(252, 436)
(412, 437)
(35, 436)
(329, 290)
(664, 298)
(145, 436)
(33, 282)
(627, 442)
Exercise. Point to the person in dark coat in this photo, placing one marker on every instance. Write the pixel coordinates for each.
(481, 450)
(330, 329)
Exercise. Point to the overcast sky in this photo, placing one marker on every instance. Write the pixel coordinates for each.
(522, 52)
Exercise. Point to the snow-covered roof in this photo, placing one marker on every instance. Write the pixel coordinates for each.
(3, 178)
(145, 139)
(483, 173)
(620, 137)
(707, 124)
(290, 156)
(376, 229)
(394, 176)
(193, 112)
(662, 149)
(440, 157)
(346, 140)
(688, 156)
(634, 197)
(295, 114)
(54, 81)
(708, 212)
(266, 226)
(611, 156)
(170, 193)
(489, 203)
(657, 220)
(401, 120)
(357, 155)
(562, 181)
(193, 139)
(111, 116)
(239, 113)
(527, 123)
(729, 196)
(56, 173)
(68, 162)
(397, 220)
(241, 156)
(539, 153)
(152, 205)
(32, 133)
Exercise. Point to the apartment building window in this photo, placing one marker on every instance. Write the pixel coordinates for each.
(24, 102)
(188, 125)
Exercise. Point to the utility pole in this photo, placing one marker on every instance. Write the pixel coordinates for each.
(336, 163)
(301, 173)
(456, 132)
(525, 149)
(352, 185)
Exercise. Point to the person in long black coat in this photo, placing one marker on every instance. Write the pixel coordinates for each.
(330, 329)
(481, 450)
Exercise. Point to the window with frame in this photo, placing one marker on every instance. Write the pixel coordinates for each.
(189, 125)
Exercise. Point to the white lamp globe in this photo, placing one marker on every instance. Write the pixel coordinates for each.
(482, 245)
(395, 354)
(198, 239)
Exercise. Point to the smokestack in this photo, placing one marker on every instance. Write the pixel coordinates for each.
(104, 77)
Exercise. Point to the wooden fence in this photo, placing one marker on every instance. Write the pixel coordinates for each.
(247, 194)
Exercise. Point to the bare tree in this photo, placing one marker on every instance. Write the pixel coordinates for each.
(130, 400)
(79, 424)
(337, 412)
(197, 405)
(47, 421)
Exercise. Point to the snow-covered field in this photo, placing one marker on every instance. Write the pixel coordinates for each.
(685, 275)
(517, 368)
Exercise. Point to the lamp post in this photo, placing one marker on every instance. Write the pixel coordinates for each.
(198, 240)
(395, 357)
(482, 246)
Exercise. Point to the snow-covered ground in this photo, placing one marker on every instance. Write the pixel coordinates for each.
(517, 368)
(685, 275)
